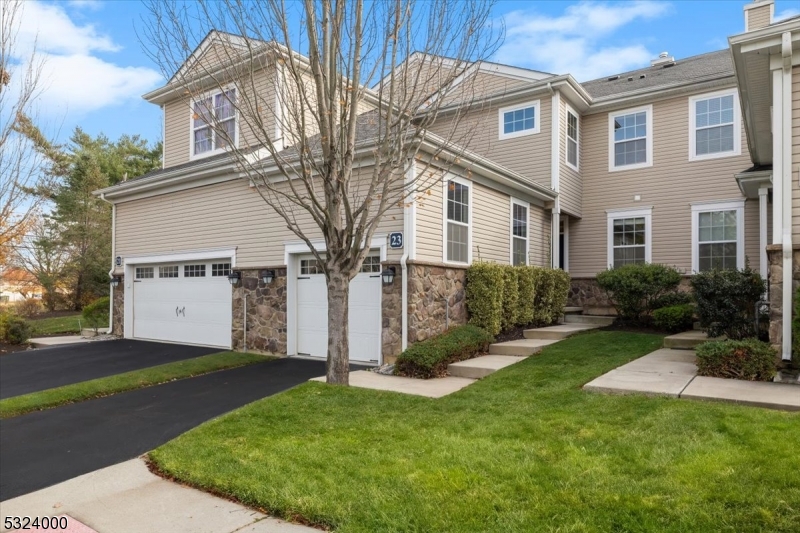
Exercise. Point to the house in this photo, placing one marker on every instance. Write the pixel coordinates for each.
(678, 162)
(17, 285)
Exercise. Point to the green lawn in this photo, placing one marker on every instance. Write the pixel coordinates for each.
(136, 379)
(522, 450)
(56, 325)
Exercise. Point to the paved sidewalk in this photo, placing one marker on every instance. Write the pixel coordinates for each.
(430, 388)
(128, 498)
(672, 372)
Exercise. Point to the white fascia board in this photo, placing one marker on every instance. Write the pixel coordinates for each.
(178, 257)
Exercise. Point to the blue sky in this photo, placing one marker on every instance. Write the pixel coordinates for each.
(95, 70)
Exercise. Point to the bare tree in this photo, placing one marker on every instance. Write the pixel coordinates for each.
(20, 73)
(329, 140)
(42, 254)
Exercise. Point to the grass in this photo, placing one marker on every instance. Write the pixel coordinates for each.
(522, 450)
(136, 379)
(56, 325)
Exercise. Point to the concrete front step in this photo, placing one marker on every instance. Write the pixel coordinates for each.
(688, 340)
(600, 321)
(519, 348)
(575, 309)
(556, 333)
(480, 367)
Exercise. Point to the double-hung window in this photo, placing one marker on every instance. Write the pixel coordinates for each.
(572, 139)
(519, 232)
(519, 120)
(715, 129)
(214, 122)
(718, 236)
(630, 138)
(457, 234)
(629, 237)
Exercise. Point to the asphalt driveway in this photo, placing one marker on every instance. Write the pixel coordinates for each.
(35, 370)
(43, 448)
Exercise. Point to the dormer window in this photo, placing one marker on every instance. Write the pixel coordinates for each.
(214, 123)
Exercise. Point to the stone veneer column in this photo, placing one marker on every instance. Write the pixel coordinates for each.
(434, 291)
(391, 315)
(266, 313)
(775, 289)
(118, 311)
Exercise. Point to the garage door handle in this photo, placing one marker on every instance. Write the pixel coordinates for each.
(176, 310)
(305, 278)
(183, 311)
(376, 276)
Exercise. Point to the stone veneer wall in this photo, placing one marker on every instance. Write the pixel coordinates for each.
(775, 289)
(434, 290)
(266, 313)
(118, 310)
(586, 293)
(391, 315)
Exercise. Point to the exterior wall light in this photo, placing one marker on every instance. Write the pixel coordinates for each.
(115, 281)
(388, 275)
(234, 277)
(267, 276)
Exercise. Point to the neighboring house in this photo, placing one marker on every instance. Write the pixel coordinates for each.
(17, 285)
(675, 163)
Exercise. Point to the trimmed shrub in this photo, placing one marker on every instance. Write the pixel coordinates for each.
(675, 318)
(28, 307)
(96, 313)
(750, 359)
(484, 293)
(14, 329)
(796, 329)
(429, 358)
(526, 281)
(634, 290)
(510, 296)
(552, 289)
(673, 298)
(726, 301)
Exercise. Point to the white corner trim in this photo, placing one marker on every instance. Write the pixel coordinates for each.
(512, 202)
(725, 205)
(737, 126)
(632, 212)
(537, 119)
(555, 140)
(649, 139)
(470, 216)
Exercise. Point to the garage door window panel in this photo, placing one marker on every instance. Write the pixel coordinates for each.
(144, 272)
(220, 269)
(372, 264)
(168, 271)
(194, 271)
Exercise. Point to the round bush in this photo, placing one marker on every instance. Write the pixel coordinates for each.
(750, 359)
(14, 329)
(635, 290)
(675, 318)
(726, 301)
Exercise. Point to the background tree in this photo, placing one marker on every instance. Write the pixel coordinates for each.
(42, 254)
(415, 54)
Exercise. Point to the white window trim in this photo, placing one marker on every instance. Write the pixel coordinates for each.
(635, 212)
(537, 117)
(649, 141)
(468, 183)
(737, 126)
(527, 206)
(705, 207)
(572, 112)
(213, 151)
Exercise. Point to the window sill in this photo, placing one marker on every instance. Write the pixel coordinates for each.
(523, 133)
(612, 168)
(718, 155)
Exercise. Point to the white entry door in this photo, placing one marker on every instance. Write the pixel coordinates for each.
(365, 311)
(184, 302)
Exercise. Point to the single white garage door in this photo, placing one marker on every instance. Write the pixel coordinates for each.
(184, 302)
(365, 311)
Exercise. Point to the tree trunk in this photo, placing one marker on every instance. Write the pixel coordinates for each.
(338, 366)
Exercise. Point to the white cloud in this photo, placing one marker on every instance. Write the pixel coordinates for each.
(785, 14)
(572, 43)
(73, 77)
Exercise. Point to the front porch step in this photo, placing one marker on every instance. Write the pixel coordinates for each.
(600, 321)
(573, 309)
(688, 340)
(519, 348)
(556, 333)
(480, 367)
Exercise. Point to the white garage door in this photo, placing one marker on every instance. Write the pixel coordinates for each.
(365, 311)
(183, 302)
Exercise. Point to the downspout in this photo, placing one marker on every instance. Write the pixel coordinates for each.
(785, 149)
(409, 221)
(555, 178)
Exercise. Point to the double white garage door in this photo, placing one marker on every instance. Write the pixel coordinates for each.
(191, 302)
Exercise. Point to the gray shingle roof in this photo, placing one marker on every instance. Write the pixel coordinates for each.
(695, 68)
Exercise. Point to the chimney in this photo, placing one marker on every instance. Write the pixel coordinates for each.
(663, 59)
(758, 14)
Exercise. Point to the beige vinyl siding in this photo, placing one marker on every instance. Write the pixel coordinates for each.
(570, 186)
(670, 186)
(178, 118)
(795, 176)
(225, 215)
(758, 18)
(490, 216)
(478, 131)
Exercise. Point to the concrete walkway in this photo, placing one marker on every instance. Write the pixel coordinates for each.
(672, 372)
(128, 498)
(430, 388)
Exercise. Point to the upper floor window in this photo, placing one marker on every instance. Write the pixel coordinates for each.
(629, 237)
(522, 119)
(718, 236)
(214, 122)
(457, 238)
(519, 232)
(572, 139)
(630, 138)
(715, 129)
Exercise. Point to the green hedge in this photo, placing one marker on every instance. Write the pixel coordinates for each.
(510, 296)
(552, 289)
(429, 358)
(750, 359)
(96, 313)
(636, 290)
(675, 318)
(726, 301)
(484, 294)
(14, 329)
(796, 330)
